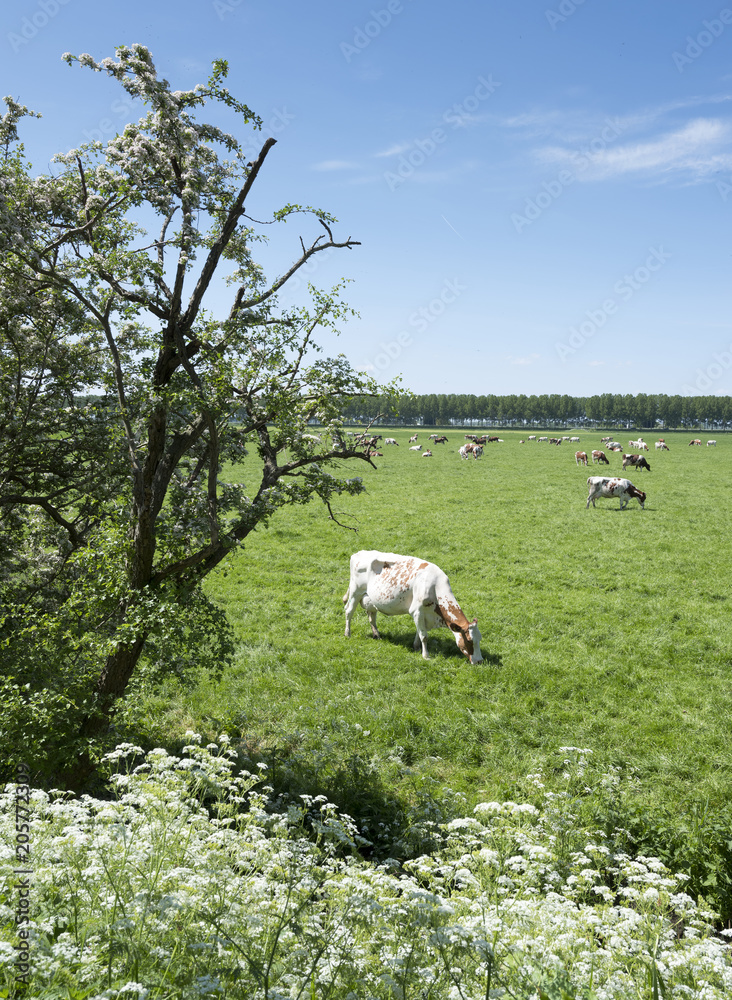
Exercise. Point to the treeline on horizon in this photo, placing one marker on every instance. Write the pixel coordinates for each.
(606, 410)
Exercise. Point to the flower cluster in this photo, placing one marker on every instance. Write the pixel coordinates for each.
(191, 883)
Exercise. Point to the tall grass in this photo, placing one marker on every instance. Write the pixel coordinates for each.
(602, 628)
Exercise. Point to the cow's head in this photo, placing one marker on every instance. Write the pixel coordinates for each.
(468, 640)
(639, 495)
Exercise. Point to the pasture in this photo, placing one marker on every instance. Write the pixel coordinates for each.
(602, 629)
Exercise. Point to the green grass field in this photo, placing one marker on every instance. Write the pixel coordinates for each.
(602, 629)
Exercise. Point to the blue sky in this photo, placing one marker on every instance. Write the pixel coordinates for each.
(542, 190)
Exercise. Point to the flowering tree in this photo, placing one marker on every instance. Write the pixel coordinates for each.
(123, 396)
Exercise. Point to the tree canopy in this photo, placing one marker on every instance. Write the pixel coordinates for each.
(124, 395)
(644, 410)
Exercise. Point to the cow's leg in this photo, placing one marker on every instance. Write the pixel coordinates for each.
(351, 601)
(372, 622)
(421, 636)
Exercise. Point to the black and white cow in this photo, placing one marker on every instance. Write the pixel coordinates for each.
(604, 486)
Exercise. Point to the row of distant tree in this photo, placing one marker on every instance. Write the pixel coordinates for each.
(606, 410)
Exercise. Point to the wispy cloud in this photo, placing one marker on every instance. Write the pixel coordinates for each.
(698, 148)
(325, 165)
(396, 150)
(530, 359)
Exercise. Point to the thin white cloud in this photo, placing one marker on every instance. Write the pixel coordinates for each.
(335, 165)
(528, 360)
(395, 150)
(699, 148)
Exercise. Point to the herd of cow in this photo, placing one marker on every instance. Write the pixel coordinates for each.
(406, 585)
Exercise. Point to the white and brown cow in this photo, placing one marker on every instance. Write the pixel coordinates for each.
(580, 457)
(604, 486)
(476, 450)
(405, 585)
(662, 446)
(694, 441)
(391, 441)
(600, 456)
(636, 461)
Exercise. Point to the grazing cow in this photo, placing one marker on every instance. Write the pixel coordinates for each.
(600, 456)
(713, 443)
(603, 486)
(413, 438)
(391, 441)
(574, 439)
(639, 444)
(662, 446)
(416, 447)
(637, 461)
(605, 440)
(555, 440)
(532, 437)
(543, 439)
(695, 441)
(405, 585)
(441, 439)
(476, 450)
(427, 454)
(580, 457)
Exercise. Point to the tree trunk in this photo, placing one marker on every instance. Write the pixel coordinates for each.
(111, 686)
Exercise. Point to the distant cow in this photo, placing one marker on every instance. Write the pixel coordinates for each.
(416, 447)
(662, 446)
(476, 450)
(694, 441)
(580, 457)
(413, 438)
(600, 456)
(405, 585)
(391, 441)
(713, 443)
(427, 454)
(602, 486)
(637, 461)
(441, 439)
